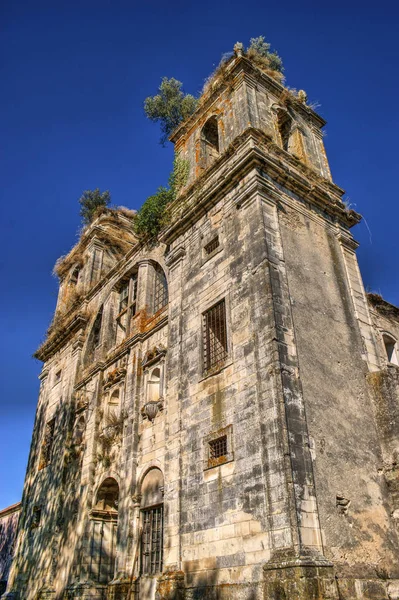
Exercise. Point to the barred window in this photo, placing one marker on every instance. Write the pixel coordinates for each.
(214, 336)
(218, 447)
(47, 444)
(212, 245)
(152, 540)
(160, 290)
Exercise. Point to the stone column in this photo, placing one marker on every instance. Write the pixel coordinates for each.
(171, 583)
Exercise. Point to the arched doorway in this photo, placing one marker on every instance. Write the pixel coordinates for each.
(104, 517)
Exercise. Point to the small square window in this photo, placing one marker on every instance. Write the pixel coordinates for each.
(57, 377)
(36, 517)
(212, 245)
(218, 448)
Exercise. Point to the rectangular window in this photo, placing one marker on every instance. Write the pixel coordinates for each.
(212, 246)
(133, 295)
(218, 448)
(160, 290)
(36, 517)
(214, 336)
(47, 444)
(152, 541)
(127, 304)
(123, 298)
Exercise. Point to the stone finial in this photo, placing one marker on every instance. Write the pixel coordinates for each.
(302, 96)
(238, 49)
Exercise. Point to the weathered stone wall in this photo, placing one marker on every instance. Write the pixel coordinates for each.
(8, 534)
(358, 532)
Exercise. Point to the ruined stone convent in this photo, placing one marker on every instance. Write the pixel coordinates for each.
(219, 409)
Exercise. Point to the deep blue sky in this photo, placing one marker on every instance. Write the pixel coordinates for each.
(74, 76)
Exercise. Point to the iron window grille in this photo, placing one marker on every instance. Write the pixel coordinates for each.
(152, 541)
(218, 448)
(160, 290)
(214, 336)
(47, 444)
(212, 245)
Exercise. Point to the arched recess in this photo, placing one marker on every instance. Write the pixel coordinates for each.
(154, 385)
(152, 522)
(391, 348)
(210, 143)
(104, 522)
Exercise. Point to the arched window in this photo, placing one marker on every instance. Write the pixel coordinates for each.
(284, 123)
(151, 555)
(210, 146)
(391, 349)
(160, 289)
(104, 517)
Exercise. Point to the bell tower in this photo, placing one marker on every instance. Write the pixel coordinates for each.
(256, 152)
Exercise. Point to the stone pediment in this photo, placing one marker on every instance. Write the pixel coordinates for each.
(156, 353)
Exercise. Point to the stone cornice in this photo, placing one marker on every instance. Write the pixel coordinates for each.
(9, 510)
(59, 338)
(383, 307)
(255, 149)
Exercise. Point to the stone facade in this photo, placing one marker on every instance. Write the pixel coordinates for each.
(218, 417)
(8, 532)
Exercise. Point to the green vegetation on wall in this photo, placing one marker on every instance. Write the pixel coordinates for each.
(152, 215)
(170, 106)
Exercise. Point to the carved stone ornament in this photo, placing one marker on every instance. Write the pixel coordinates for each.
(151, 409)
(114, 376)
(238, 48)
(153, 355)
